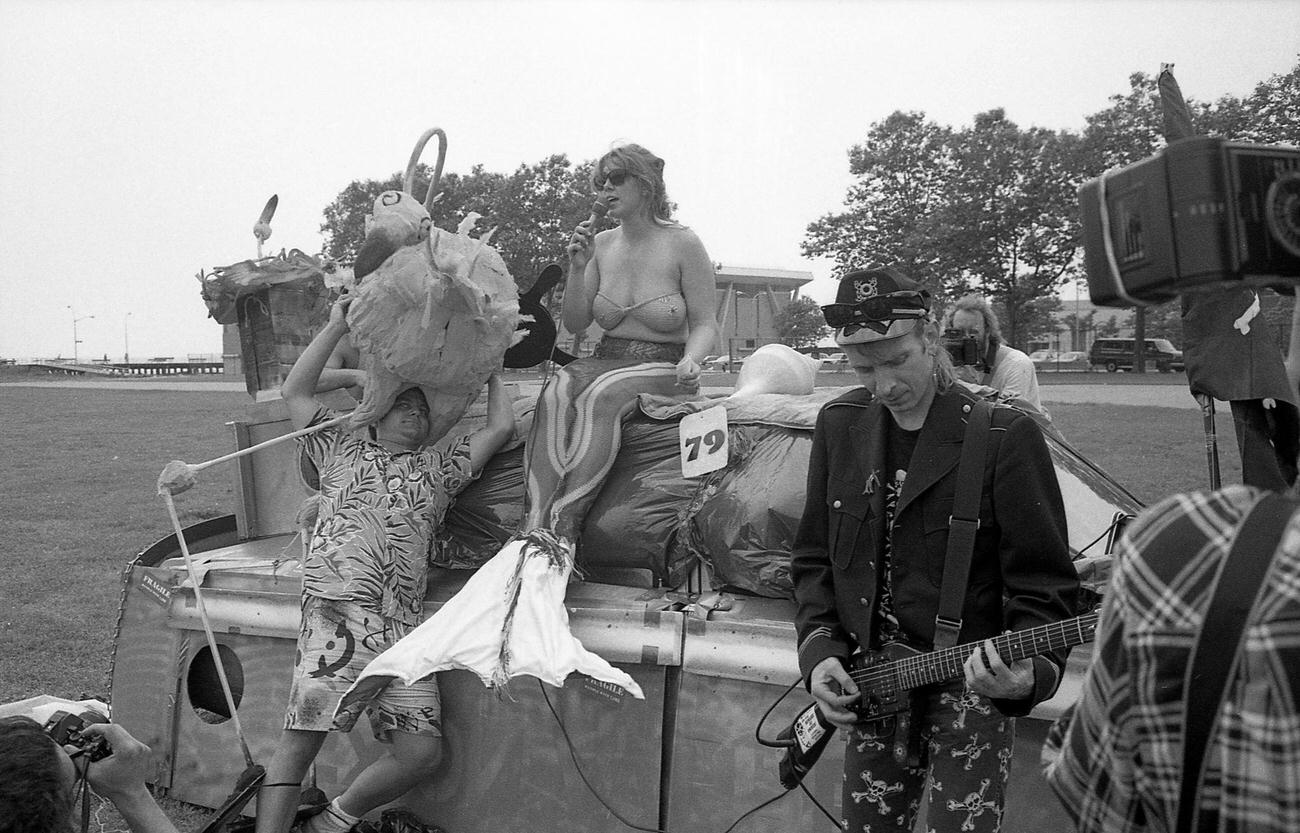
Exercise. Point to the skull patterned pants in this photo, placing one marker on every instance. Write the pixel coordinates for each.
(966, 747)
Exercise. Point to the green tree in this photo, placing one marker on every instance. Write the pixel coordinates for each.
(800, 323)
(1165, 321)
(1007, 225)
(901, 171)
(1131, 128)
(1110, 325)
(1128, 130)
(532, 210)
(344, 226)
(1080, 328)
(1269, 115)
(989, 207)
(535, 209)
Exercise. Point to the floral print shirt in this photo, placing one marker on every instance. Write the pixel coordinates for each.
(378, 513)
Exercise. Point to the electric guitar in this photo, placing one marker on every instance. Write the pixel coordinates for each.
(885, 677)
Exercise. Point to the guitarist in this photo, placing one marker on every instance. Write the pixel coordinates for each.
(870, 554)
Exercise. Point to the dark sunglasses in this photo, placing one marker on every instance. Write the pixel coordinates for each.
(615, 178)
(907, 304)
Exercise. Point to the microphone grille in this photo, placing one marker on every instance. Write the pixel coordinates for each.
(599, 208)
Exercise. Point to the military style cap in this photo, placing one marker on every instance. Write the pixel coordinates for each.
(876, 305)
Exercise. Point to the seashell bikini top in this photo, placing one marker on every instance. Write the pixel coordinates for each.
(664, 314)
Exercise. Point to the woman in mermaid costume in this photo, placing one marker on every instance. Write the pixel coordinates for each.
(650, 286)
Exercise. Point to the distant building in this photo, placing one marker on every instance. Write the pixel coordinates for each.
(749, 300)
(1076, 325)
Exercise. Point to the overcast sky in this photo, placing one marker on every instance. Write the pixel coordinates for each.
(139, 141)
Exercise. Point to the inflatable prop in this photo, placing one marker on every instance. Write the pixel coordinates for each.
(776, 368)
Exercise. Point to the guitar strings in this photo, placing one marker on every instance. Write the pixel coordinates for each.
(880, 674)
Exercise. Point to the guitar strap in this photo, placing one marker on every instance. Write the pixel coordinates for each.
(989, 357)
(963, 524)
(1221, 637)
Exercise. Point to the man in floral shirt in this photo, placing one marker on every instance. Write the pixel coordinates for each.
(382, 496)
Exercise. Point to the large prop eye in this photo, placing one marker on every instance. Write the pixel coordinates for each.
(1282, 211)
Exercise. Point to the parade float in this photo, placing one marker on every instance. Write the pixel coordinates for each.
(684, 587)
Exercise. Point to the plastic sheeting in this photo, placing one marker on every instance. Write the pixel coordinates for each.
(739, 521)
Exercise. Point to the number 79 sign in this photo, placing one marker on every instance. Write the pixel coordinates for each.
(702, 440)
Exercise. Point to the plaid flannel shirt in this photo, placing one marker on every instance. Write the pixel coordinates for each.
(1118, 763)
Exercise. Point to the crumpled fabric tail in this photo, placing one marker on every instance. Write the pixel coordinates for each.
(507, 621)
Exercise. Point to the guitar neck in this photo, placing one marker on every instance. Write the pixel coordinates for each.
(946, 664)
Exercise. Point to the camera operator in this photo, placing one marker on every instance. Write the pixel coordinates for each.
(974, 340)
(38, 779)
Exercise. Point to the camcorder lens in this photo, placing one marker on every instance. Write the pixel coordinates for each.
(964, 349)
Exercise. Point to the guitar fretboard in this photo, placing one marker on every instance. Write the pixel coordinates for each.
(939, 666)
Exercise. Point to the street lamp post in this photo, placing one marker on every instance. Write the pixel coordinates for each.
(75, 341)
(126, 339)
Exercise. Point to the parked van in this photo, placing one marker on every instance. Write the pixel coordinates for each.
(1119, 354)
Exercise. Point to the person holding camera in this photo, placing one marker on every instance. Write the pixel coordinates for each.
(974, 341)
(39, 779)
(873, 566)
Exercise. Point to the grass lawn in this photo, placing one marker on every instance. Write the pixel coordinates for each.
(79, 502)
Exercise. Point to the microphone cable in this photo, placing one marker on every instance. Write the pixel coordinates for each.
(573, 755)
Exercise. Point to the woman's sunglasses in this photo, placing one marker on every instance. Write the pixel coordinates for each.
(615, 178)
(907, 304)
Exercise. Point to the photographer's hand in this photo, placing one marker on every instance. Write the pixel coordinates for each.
(120, 778)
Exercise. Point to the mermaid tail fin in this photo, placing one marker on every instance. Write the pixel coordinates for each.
(508, 620)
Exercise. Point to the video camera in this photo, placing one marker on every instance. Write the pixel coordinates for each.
(65, 730)
(964, 349)
(1202, 214)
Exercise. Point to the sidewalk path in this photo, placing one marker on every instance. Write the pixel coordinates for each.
(1160, 396)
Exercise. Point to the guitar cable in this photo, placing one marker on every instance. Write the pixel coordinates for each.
(774, 743)
(786, 743)
(573, 754)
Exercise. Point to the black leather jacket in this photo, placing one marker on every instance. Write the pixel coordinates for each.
(1021, 575)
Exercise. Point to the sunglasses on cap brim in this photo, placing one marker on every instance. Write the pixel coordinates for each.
(878, 308)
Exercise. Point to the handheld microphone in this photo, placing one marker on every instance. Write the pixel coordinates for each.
(598, 210)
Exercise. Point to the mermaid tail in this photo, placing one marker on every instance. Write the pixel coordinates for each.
(508, 620)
